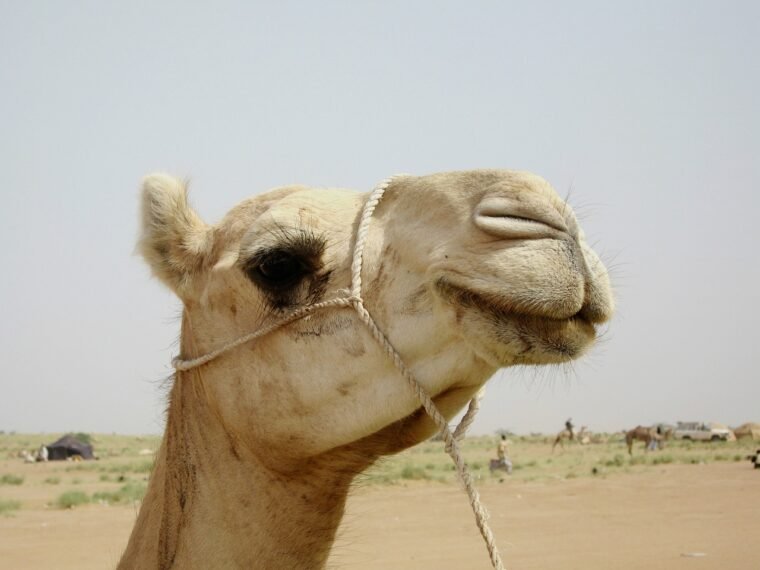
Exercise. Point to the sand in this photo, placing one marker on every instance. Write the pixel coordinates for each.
(679, 516)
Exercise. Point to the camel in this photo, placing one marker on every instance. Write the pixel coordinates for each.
(581, 437)
(463, 272)
(646, 434)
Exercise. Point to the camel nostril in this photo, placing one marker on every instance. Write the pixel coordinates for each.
(512, 219)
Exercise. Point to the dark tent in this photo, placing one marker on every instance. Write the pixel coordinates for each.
(69, 446)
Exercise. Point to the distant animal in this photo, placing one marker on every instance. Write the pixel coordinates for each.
(581, 437)
(648, 435)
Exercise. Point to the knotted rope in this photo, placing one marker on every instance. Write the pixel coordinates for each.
(355, 300)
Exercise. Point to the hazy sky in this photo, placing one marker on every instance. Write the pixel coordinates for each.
(648, 111)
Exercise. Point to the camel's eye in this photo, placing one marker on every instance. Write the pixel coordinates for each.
(278, 269)
(290, 271)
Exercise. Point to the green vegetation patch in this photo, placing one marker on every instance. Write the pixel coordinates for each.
(131, 492)
(617, 461)
(83, 437)
(410, 471)
(9, 479)
(6, 507)
(71, 499)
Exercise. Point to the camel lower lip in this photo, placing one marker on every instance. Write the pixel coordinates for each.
(502, 311)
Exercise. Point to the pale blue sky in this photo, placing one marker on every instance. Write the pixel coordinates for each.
(646, 110)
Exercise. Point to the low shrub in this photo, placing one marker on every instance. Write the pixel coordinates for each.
(129, 493)
(83, 437)
(71, 499)
(411, 472)
(9, 479)
(695, 460)
(7, 506)
(617, 461)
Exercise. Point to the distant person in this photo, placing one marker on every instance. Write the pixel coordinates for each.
(42, 453)
(501, 453)
(654, 443)
(569, 427)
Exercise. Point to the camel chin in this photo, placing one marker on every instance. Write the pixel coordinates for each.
(542, 340)
(505, 336)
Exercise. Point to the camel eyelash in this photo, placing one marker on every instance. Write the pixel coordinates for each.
(302, 244)
(281, 268)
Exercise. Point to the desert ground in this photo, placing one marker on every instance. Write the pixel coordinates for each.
(690, 505)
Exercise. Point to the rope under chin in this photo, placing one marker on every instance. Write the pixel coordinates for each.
(354, 299)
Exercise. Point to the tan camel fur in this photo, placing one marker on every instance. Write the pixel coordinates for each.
(581, 437)
(465, 272)
(647, 435)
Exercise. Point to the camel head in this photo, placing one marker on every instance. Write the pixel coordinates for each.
(465, 273)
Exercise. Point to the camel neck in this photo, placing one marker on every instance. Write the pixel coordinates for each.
(212, 503)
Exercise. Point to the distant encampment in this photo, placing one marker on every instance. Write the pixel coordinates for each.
(750, 429)
(69, 447)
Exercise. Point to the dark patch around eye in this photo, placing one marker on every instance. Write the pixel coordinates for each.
(281, 270)
(278, 269)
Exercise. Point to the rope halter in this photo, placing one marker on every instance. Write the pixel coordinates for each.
(354, 299)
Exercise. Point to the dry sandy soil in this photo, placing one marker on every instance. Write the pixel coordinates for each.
(675, 517)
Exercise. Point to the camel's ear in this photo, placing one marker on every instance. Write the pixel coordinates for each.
(174, 240)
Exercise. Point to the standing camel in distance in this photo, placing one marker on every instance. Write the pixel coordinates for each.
(463, 272)
(648, 435)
